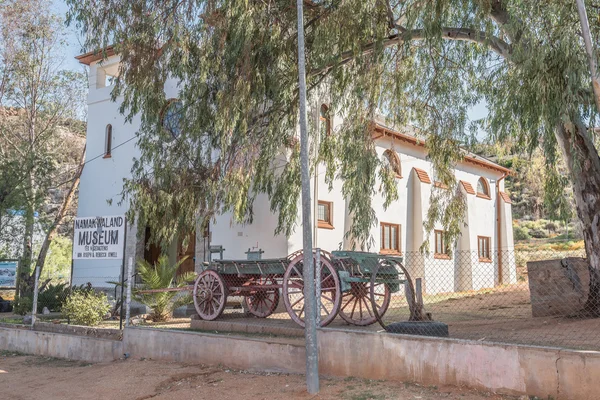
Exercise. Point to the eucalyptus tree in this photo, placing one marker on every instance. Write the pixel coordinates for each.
(36, 97)
(419, 62)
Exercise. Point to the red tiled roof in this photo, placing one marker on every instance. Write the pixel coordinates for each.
(92, 56)
(422, 175)
(505, 197)
(468, 187)
(380, 131)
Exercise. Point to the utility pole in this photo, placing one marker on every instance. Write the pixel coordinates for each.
(310, 330)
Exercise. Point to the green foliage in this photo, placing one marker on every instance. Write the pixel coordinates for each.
(53, 297)
(37, 101)
(160, 276)
(23, 305)
(521, 233)
(86, 307)
(50, 295)
(58, 261)
(423, 62)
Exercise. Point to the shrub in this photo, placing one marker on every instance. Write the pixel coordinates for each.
(86, 307)
(23, 305)
(162, 275)
(50, 295)
(53, 297)
(521, 233)
(538, 234)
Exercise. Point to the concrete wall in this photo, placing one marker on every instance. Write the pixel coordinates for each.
(83, 348)
(508, 369)
(191, 347)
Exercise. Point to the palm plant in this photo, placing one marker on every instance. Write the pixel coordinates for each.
(162, 275)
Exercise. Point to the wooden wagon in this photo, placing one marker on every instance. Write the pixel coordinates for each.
(355, 285)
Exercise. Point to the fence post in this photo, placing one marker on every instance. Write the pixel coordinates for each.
(35, 295)
(129, 284)
(318, 285)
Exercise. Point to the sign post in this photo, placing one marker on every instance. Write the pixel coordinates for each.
(101, 238)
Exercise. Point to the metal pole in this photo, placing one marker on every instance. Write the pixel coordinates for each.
(129, 284)
(35, 295)
(123, 277)
(310, 331)
(318, 268)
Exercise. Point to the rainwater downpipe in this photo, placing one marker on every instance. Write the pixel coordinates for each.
(499, 227)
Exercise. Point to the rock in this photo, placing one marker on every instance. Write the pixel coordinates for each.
(27, 320)
(45, 311)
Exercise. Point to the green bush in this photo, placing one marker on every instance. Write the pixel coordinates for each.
(23, 305)
(521, 233)
(53, 297)
(86, 307)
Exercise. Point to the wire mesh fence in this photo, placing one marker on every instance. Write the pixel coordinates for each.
(537, 297)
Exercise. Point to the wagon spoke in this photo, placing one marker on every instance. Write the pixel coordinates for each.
(360, 307)
(328, 298)
(353, 308)
(346, 305)
(298, 301)
(367, 306)
(301, 311)
(325, 308)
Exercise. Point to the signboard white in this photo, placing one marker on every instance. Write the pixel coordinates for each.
(99, 238)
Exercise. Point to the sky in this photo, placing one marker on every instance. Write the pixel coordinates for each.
(75, 49)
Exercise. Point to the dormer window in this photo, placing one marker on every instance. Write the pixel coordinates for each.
(108, 141)
(483, 188)
(392, 161)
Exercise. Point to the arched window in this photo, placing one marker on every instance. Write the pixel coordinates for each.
(108, 141)
(391, 160)
(171, 118)
(483, 188)
(325, 119)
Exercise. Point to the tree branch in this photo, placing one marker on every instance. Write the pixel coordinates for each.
(494, 43)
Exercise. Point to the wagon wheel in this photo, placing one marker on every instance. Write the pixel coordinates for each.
(357, 307)
(375, 295)
(210, 295)
(293, 290)
(263, 302)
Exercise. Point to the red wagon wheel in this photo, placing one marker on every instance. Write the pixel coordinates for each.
(262, 302)
(357, 308)
(210, 295)
(293, 290)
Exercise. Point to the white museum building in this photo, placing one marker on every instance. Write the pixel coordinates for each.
(473, 264)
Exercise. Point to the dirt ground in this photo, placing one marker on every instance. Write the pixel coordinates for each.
(29, 377)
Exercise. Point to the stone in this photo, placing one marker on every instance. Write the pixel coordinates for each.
(45, 311)
(27, 320)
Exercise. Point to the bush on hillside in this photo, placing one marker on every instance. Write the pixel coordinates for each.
(521, 233)
(538, 233)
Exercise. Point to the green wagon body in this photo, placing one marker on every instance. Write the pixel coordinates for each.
(358, 266)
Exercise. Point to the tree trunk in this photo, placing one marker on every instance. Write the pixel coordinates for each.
(583, 164)
(61, 213)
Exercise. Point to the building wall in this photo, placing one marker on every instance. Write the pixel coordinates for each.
(102, 182)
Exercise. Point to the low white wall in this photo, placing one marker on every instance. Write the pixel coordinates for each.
(72, 347)
(509, 369)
